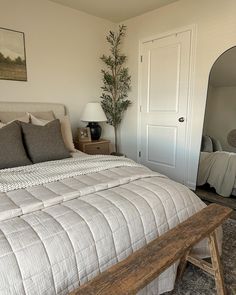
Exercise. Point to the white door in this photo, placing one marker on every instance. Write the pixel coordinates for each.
(164, 101)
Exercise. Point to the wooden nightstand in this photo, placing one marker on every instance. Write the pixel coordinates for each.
(95, 147)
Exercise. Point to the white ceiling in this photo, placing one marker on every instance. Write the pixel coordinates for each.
(224, 70)
(115, 10)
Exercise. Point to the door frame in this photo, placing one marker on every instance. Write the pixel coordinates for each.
(193, 40)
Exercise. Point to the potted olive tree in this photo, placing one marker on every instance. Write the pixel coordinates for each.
(116, 82)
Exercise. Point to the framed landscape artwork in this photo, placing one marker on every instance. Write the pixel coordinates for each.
(12, 55)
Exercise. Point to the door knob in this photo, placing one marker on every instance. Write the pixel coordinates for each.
(181, 119)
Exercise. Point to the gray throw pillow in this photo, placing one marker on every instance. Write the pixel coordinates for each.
(44, 143)
(12, 151)
(206, 145)
(216, 145)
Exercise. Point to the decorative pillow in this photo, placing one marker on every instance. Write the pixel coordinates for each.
(22, 119)
(49, 116)
(6, 117)
(206, 144)
(67, 133)
(231, 138)
(37, 121)
(65, 130)
(12, 151)
(44, 143)
(216, 145)
(9, 117)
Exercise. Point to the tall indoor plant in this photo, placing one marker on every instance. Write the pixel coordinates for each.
(116, 82)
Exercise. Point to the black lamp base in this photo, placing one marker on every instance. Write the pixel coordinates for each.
(95, 130)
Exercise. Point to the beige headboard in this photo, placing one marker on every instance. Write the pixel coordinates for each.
(58, 109)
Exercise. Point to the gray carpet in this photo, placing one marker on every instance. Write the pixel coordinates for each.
(196, 282)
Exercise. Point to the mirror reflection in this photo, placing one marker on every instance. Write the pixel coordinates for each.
(217, 165)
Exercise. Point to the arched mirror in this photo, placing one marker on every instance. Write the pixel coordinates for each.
(217, 166)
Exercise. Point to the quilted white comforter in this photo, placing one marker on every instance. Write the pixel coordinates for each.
(56, 236)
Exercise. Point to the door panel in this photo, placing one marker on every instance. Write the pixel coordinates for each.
(164, 80)
(164, 99)
(161, 151)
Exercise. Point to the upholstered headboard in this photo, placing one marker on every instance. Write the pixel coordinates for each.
(58, 109)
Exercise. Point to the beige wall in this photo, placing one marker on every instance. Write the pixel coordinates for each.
(63, 47)
(220, 116)
(216, 32)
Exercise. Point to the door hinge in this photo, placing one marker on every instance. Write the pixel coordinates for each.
(140, 109)
(141, 58)
(139, 154)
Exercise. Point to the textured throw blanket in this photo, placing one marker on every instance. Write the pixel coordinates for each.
(42, 173)
(57, 236)
(219, 170)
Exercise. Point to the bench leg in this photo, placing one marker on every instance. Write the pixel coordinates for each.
(182, 265)
(214, 268)
(216, 264)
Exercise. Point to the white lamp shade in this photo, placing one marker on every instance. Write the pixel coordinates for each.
(93, 112)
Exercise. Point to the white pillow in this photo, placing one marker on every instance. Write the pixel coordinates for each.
(65, 130)
(7, 117)
(36, 121)
(25, 119)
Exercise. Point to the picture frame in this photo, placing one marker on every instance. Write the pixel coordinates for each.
(12, 55)
(84, 134)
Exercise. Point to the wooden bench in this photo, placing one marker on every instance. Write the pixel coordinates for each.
(143, 266)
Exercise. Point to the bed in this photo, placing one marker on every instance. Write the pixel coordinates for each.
(63, 222)
(218, 169)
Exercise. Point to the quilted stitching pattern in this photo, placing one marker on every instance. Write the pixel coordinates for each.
(49, 171)
(57, 236)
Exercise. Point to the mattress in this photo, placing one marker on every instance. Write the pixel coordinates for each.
(59, 235)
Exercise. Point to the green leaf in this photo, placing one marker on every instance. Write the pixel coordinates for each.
(116, 80)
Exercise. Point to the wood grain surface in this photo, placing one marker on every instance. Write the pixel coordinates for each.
(142, 267)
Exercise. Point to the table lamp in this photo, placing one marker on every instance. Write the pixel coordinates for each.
(93, 113)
